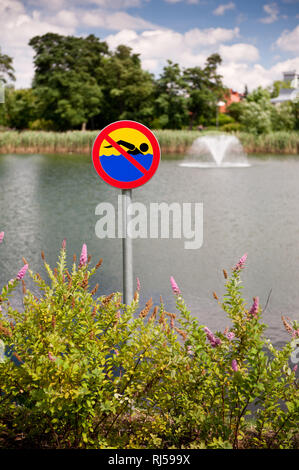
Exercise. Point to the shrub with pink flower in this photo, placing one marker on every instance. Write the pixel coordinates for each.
(1, 236)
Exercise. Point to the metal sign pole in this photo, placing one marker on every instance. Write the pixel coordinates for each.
(127, 249)
(127, 140)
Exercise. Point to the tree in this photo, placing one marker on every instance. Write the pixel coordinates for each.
(283, 117)
(200, 97)
(257, 112)
(6, 68)
(235, 110)
(210, 70)
(127, 89)
(277, 86)
(295, 109)
(66, 84)
(205, 88)
(19, 108)
(171, 98)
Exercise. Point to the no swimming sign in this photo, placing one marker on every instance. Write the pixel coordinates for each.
(126, 154)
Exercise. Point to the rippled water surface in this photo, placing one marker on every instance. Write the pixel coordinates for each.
(44, 199)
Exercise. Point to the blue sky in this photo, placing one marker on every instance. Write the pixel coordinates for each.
(257, 39)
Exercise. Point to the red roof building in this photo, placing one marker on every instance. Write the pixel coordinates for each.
(230, 97)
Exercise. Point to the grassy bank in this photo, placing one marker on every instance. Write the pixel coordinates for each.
(170, 141)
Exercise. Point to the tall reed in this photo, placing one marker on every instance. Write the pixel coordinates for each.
(171, 141)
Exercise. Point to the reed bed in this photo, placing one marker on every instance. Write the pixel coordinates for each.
(171, 141)
(283, 142)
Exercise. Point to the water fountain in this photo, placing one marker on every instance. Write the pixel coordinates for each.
(216, 151)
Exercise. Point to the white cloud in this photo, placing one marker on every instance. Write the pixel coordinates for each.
(240, 61)
(272, 11)
(66, 18)
(221, 9)
(156, 46)
(289, 40)
(191, 2)
(210, 36)
(18, 27)
(239, 53)
(237, 75)
(58, 4)
(114, 21)
(117, 4)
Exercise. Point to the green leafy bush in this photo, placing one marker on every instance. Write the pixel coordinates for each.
(225, 119)
(232, 127)
(79, 370)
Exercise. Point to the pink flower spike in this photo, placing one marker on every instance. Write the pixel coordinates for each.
(22, 272)
(174, 286)
(63, 245)
(295, 368)
(230, 335)
(138, 284)
(214, 341)
(241, 263)
(83, 257)
(1, 236)
(235, 366)
(255, 307)
(51, 357)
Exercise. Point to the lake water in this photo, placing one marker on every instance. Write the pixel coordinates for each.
(254, 210)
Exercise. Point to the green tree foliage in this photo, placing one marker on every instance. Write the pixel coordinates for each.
(235, 110)
(258, 115)
(6, 68)
(283, 117)
(171, 98)
(127, 89)
(6, 74)
(80, 83)
(204, 88)
(65, 81)
(295, 108)
(19, 108)
(257, 112)
(277, 86)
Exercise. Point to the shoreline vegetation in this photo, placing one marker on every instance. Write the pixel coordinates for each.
(171, 141)
(79, 369)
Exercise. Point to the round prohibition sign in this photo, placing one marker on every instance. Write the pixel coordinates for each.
(126, 154)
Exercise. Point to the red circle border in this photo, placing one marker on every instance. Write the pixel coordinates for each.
(131, 125)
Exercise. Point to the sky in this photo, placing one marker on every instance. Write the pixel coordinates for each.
(256, 39)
